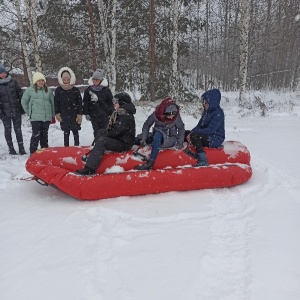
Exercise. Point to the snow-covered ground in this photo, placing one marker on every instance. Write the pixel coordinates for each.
(229, 244)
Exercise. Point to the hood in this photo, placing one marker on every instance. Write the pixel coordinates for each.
(104, 82)
(162, 107)
(73, 78)
(212, 97)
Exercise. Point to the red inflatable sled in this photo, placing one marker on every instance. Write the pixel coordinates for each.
(116, 176)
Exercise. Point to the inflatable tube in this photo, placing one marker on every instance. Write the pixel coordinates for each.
(173, 171)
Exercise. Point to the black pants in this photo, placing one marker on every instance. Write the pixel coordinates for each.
(102, 144)
(17, 122)
(198, 141)
(99, 123)
(39, 135)
(67, 137)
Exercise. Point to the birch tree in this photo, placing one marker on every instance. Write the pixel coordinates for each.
(108, 30)
(244, 48)
(22, 40)
(175, 77)
(31, 11)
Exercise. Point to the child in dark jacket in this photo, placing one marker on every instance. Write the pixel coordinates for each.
(68, 105)
(209, 131)
(97, 101)
(11, 110)
(119, 136)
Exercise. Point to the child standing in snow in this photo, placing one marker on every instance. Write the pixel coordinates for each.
(68, 105)
(97, 101)
(11, 110)
(38, 104)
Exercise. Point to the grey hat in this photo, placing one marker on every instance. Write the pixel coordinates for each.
(171, 110)
(2, 69)
(98, 74)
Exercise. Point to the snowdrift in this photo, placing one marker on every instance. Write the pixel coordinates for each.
(173, 171)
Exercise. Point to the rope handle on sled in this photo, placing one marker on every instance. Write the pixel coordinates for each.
(136, 153)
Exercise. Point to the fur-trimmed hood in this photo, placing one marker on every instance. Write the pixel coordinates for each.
(104, 82)
(63, 69)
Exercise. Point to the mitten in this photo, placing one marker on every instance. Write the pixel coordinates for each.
(58, 117)
(142, 142)
(88, 118)
(94, 97)
(178, 145)
(79, 119)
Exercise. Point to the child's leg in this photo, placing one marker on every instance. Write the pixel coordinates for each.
(76, 137)
(36, 136)
(66, 138)
(44, 134)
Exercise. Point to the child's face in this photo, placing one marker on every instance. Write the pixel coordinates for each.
(205, 105)
(66, 80)
(40, 83)
(3, 75)
(170, 116)
(96, 81)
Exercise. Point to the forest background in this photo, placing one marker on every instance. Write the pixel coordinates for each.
(157, 48)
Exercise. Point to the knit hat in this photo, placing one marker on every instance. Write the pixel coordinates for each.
(170, 110)
(2, 69)
(98, 74)
(122, 98)
(38, 76)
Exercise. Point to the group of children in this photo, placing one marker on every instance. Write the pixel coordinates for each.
(112, 118)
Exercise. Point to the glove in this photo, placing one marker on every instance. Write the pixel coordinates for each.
(88, 118)
(142, 142)
(79, 119)
(94, 97)
(178, 146)
(58, 117)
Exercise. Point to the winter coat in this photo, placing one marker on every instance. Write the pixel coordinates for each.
(10, 97)
(38, 105)
(172, 130)
(123, 129)
(212, 121)
(102, 108)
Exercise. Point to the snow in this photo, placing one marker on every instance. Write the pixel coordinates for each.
(240, 243)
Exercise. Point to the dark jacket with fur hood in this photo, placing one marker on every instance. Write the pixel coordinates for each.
(68, 102)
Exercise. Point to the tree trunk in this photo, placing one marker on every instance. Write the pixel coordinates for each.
(33, 29)
(152, 50)
(175, 77)
(25, 56)
(244, 48)
(92, 33)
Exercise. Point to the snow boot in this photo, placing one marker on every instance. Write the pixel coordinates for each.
(146, 166)
(21, 149)
(12, 150)
(202, 160)
(86, 171)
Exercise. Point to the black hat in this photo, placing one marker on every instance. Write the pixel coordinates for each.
(122, 98)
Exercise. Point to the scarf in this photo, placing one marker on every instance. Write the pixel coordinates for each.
(67, 86)
(114, 115)
(5, 80)
(97, 87)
